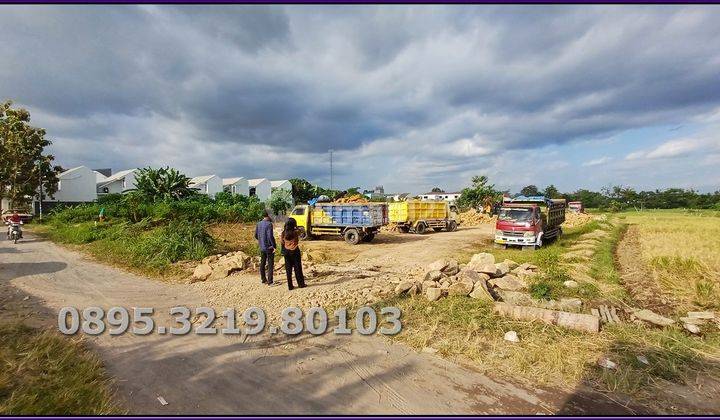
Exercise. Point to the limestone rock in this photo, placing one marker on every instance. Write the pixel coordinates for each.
(470, 276)
(489, 269)
(434, 275)
(428, 284)
(653, 318)
(511, 264)
(460, 289)
(692, 328)
(512, 337)
(451, 268)
(502, 268)
(570, 284)
(478, 261)
(480, 291)
(202, 272)
(403, 287)
(438, 265)
(210, 259)
(433, 293)
(509, 282)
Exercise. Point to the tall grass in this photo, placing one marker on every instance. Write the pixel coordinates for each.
(44, 373)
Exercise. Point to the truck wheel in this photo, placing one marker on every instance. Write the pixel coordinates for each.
(302, 234)
(452, 226)
(368, 237)
(421, 228)
(352, 236)
(404, 229)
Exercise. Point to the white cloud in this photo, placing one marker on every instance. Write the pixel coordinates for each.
(595, 162)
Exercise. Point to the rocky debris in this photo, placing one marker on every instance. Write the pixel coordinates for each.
(511, 264)
(524, 299)
(512, 337)
(509, 282)
(690, 320)
(201, 273)
(701, 315)
(428, 284)
(480, 260)
(451, 268)
(460, 289)
(642, 359)
(607, 315)
(575, 321)
(489, 269)
(434, 275)
(403, 287)
(502, 269)
(438, 265)
(653, 318)
(217, 267)
(571, 284)
(433, 293)
(472, 276)
(480, 291)
(692, 328)
(607, 363)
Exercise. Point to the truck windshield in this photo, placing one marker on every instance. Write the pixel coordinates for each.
(515, 215)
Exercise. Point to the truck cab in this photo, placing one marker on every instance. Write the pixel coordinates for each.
(301, 214)
(528, 221)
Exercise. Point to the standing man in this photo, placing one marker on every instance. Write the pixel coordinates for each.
(266, 242)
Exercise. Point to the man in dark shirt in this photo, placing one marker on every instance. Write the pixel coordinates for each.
(266, 242)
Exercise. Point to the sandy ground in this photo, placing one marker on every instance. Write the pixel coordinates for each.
(213, 374)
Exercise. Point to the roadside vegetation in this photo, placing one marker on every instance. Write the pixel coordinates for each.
(467, 329)
(154, 227)
(44, 373)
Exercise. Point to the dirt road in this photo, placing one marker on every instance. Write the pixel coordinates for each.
(265, 374)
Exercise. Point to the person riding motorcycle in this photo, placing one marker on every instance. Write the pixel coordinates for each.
(14, 219)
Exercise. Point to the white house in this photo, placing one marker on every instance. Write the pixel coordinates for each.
(236, 186)
(282, 184)
(117, 183)
(442, 195)
(261, 188)
(76, 185)
(207, 184)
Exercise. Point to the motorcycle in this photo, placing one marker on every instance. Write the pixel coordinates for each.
(14, 231)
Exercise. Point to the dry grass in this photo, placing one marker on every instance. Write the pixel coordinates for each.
(467, 329)
(683, 251)
(44, 373)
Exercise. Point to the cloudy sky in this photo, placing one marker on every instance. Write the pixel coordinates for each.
(409, 97)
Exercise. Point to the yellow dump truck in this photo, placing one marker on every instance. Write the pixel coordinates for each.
(355, 222)
(421, 216)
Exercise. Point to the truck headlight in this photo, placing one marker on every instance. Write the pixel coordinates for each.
(498, 232)
(529, 234)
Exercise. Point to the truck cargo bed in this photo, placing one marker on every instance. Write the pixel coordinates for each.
(350, 214)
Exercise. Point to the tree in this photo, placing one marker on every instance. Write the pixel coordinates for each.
(280, 201)
(530, 190)
(551, 192)
(23, 164)
(437, 190)
(302, 190)
(479, 194)
(353, 191)
(163, 184)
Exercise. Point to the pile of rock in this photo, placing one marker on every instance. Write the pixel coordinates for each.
(219, 266)
(481, 278)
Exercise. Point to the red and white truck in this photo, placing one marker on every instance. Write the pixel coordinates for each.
(529, 221)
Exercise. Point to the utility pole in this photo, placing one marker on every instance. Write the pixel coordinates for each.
(41, 191)
(331, 169)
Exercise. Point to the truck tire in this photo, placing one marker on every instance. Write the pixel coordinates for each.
(421, 228)
(404, 229)
(368, 237)
(452, 226)
(302, 234)
(352, 236)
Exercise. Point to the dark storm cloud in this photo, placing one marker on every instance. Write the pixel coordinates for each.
(198, 80)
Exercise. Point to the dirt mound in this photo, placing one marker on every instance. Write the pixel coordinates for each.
(473, 218)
